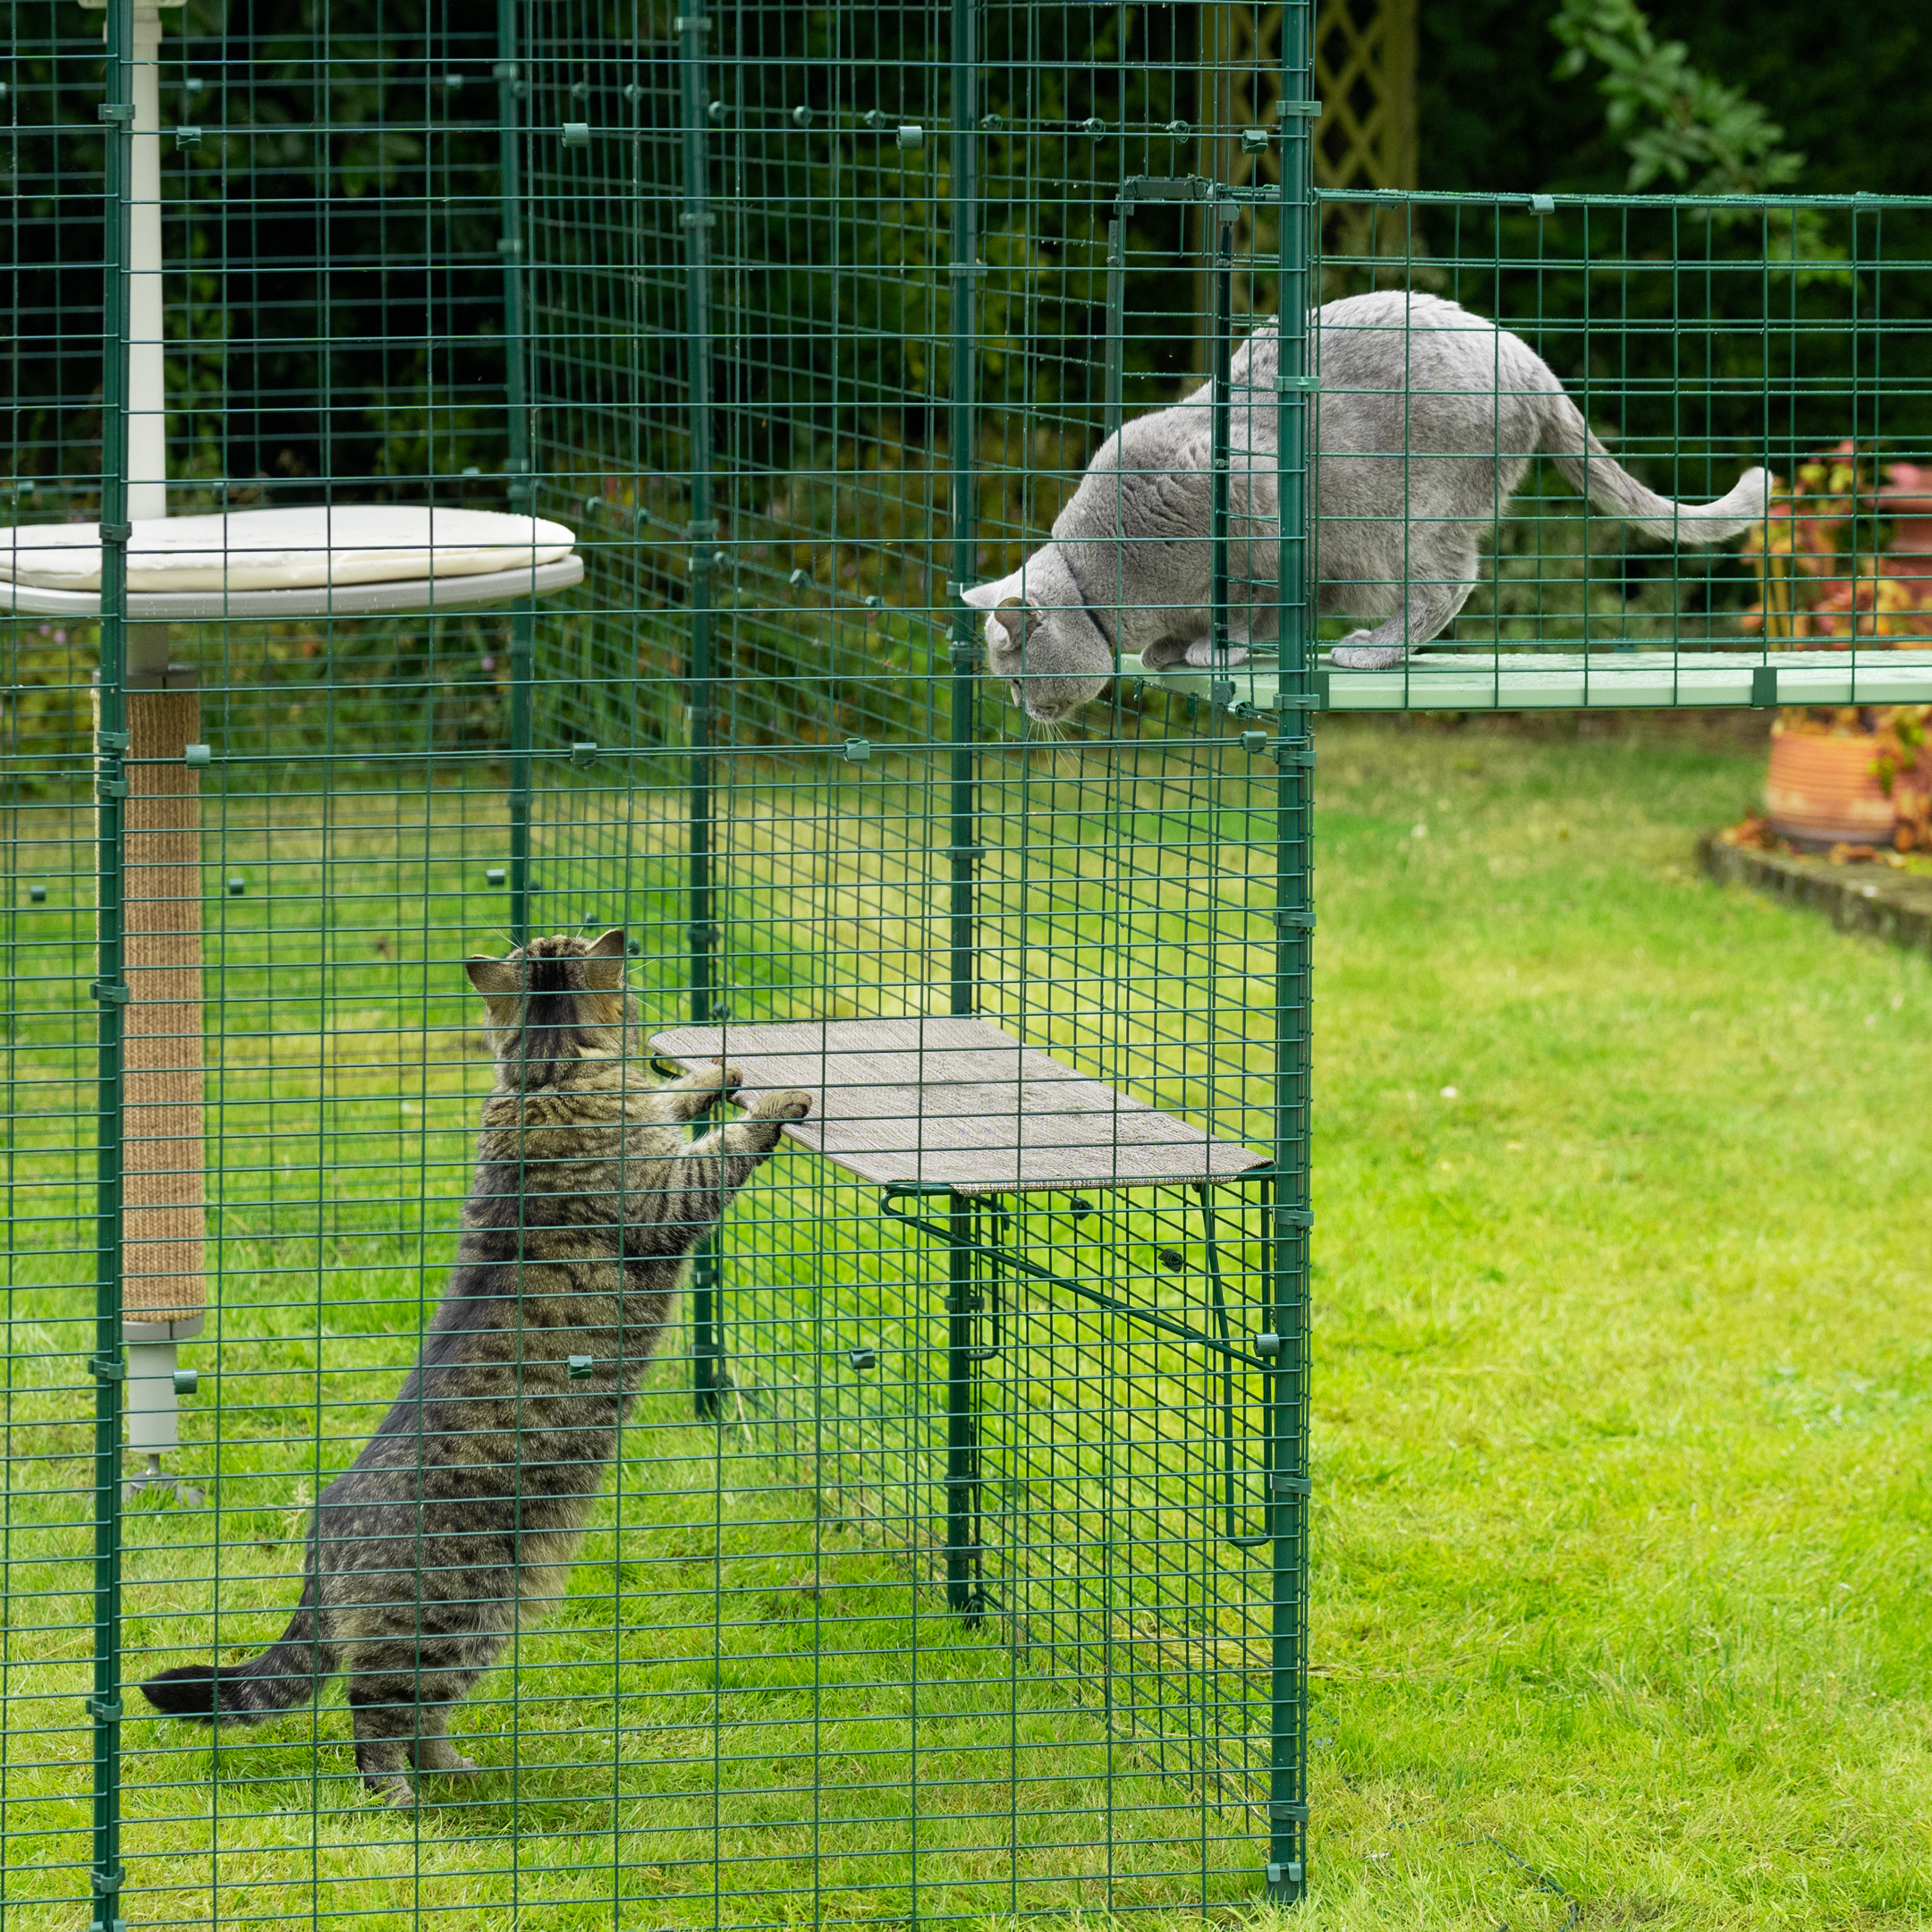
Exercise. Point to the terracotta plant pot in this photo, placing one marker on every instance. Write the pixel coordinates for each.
(1820, 791)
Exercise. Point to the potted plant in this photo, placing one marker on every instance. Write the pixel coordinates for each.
(1847, 776)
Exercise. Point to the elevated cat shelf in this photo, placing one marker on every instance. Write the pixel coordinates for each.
(959, 1104)
(1605, 678)
(356, 560)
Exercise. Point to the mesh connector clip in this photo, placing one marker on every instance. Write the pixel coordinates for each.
(1254, 743)
(1287, 1811)
(1284, 1875)
(578, 1367)
(1221, 693)
(576, 134)
(1542, 204)
(1294, 919)
(1763, 686)
(109, 991)
(862, 1357)
(237, 886)
(1267, 1346)
(1255, 140)
(857, 751)
(106, 1368)
(1297, 110)
(1294, 756)
(198, 755)
(1281, 1485)
(911, 136)
(583, 753)
(187, 1381)
(108, 1711)
(186, 138)
(496, 876)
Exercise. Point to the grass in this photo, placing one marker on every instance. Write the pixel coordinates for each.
(1622, 1404)
(1624, 1389)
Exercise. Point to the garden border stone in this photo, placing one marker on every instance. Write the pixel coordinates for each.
(1869, 898)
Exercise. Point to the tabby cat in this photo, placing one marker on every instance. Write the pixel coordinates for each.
(471, 1498)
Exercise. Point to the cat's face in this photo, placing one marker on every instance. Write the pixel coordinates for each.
(552, 1002)
(1053, 657)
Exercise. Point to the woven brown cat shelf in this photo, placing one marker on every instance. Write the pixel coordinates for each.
(959, 1104)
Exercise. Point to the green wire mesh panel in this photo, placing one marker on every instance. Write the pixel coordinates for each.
(953, 1561)
(950, 1562)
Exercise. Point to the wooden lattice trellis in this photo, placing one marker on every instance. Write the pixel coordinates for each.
(1365, 75)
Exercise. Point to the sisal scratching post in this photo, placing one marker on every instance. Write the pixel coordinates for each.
(165, 1294)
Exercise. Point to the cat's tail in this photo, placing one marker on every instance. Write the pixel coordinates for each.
(1568, 441)
(288, 1673)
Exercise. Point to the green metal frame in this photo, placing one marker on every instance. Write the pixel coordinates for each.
(1019, 885)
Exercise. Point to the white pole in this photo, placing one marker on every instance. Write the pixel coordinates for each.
(147, 380)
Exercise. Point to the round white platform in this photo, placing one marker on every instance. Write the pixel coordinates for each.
(347, 561)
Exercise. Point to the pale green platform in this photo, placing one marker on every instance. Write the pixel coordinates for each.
(1568, 680)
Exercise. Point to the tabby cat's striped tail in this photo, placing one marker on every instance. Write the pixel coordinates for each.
(288, 1673)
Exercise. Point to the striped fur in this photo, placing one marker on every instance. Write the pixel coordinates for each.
(465, 1510)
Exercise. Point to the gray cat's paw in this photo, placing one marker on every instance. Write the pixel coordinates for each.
(1350, 655)
(1201, 654)
(792, 1104)
(394, 1794)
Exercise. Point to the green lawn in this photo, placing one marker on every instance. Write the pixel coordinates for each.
(1623, 1356)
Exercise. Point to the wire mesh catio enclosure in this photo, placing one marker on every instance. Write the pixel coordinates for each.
(472, 482)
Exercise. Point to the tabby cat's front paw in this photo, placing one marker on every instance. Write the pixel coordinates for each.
(787, 1104)
(1351, 655)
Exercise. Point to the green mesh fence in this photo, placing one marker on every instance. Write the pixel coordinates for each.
(953, 1561)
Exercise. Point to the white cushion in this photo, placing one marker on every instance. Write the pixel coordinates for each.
(288, 549)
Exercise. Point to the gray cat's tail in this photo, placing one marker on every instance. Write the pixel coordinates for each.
(288, 1673)
(1568, 441)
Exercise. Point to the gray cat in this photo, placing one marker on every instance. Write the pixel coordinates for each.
(1427, 418)
(464, 1513)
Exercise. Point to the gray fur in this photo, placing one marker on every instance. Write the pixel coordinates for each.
(1426, 418)
(465, 1510)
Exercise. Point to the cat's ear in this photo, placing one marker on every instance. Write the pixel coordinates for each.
(607, 949)
(1016, 618)
(493, 979)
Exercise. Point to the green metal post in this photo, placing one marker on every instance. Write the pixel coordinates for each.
(707, 1341)
(511, 88)
(962, 1553)
(1288, 1291)
(963, 1448)
(966, 269)
(1221, 281)
(110, 985)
